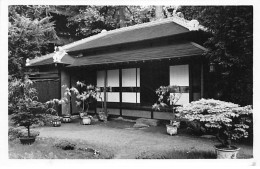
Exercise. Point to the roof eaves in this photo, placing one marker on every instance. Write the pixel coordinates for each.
(164, 58)
(38, 59)
(197, 50)
(199, 46)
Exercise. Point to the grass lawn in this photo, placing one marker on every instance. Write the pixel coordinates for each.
(118, 140)
(44, 148)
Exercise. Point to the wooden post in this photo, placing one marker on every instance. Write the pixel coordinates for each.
(202, 80)
(120, 92)
(60, 91)
(65, 80)
(135, 86)
(190, 83)
(105, 93)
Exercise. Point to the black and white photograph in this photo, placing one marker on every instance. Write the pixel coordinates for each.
(138, 82)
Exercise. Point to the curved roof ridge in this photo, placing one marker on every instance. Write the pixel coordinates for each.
(142, 25)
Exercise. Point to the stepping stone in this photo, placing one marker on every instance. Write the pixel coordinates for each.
(140, 125)
(149, 122)
(208, 136)
(123, 119)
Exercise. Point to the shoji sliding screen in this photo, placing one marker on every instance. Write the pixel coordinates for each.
(179, 75)
(131, 85)
(112, 84)
(101, 82)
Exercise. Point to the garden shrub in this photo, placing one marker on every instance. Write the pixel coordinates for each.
(16, 132)
(228, 121)
(65, 145)
(196, 128)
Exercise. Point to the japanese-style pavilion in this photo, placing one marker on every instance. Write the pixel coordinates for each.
(132, 62)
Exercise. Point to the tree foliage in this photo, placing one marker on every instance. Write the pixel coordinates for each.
(28, 37)
(33, 27)
(230, 48)
(23, 104)
(91, 20)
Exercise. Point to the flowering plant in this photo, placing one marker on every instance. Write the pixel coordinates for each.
(168, 96)
(87, 96)
(227, 120)
(52, 106)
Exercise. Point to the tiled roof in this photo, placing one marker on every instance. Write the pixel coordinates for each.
(183, 49)
(145, 31)
(158, 28)
(132, 34)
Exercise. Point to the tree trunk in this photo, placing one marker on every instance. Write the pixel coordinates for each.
(122, 16)
(159, 12)
(28, 130)
(87, 107)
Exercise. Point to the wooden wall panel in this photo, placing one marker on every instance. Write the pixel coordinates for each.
(47, 89)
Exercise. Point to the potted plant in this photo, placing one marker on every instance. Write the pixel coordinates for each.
(25, 108)
(52, 106)
(66, 118)
(228, 121)
(56, 121)
(85, 96)
(168, 96)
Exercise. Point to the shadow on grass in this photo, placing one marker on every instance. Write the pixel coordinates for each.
(179, 155)
(45, 148)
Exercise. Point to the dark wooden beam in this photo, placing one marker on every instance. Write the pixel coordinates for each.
(105, 93)
(45, 77)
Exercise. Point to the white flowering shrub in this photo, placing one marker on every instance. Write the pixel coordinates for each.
(228, 120)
